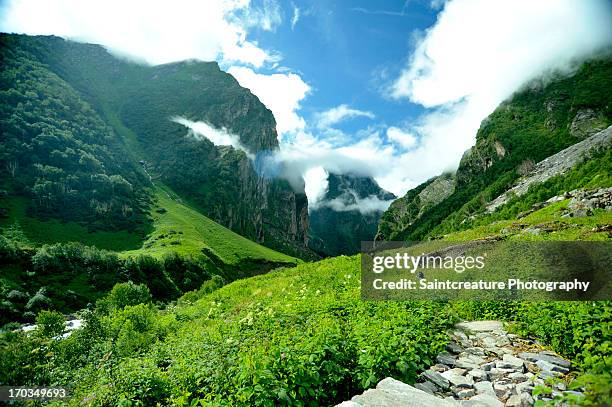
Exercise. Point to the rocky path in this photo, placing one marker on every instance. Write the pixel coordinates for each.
(483, 365)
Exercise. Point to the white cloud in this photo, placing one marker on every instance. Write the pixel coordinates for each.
(280, 92)
(316, 182)
(400, 137)
(296, 16)
(152, 31)
(365, 206)
(475, 56)
(339, 113)
(219, 137)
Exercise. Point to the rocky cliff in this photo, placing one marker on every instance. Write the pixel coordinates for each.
(347, 214)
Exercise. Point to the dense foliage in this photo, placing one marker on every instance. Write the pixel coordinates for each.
(295, 336)
(69, 276)
(56, 149)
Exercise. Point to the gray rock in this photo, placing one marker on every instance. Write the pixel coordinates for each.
(547, 366)
(481, 326)
(436, 379)
(348, 403)
(524, 387)
(456, 378)
(485, 387)
(475, 350)
(465, 393)
(477, 374)
(517, 377)
(482, 400)
(438, 367)
(520, 400)
(446, 358)
(427, 387)
(510, 362)
(488, 366)
(497, 373)
(554, 359)
(454, 347)
(393, 393)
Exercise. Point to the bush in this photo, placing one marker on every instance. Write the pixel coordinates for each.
(123, 295)
(50, 323)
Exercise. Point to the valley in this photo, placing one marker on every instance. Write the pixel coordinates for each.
(201, 280)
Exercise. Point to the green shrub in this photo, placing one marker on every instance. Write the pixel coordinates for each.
(50, 323)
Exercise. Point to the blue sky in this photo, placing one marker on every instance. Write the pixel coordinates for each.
(342, 49)
(389, 89)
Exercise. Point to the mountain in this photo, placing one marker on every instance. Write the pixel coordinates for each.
(300, 335)
(131, 135)
(547, 116)
(347, 214)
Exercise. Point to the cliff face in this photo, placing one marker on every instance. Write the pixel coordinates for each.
(139, 101)
(347, 214)
(406, 210)
(545, 117)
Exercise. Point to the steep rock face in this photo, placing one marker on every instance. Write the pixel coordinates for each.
(347, 214)
(405, 211)
(543, 118)
(139, 101)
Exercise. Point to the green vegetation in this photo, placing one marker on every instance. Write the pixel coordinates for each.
(179, 228)
(534, 124)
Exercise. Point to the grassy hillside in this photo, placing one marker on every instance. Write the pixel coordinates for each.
(179, 228)
(299, 336)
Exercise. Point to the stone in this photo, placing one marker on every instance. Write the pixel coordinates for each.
(497, 373)
(477, 374)
(454, 347)
(438, 367)
(554, 359)
(475, 350)
(517, 377)
(348, 403)
(485, 387)
(393, 393)
(488, 366)
(456, 378)
(524, 387)
(446, 358)
(481, 326)
(483, 400)
(465, 393)
(427, 387)
(510, 362)
(520, 400)
(436, 379)
(547, 366)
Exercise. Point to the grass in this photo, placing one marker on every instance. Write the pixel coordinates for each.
(180, 228)
(564, 228)
(53, 231)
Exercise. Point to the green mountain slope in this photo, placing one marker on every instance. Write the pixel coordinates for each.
(179, 228)
(87, 131)
(544, 118)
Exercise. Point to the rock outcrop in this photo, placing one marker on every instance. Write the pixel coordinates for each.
(405, 211)
(483, 366)
(556, 164)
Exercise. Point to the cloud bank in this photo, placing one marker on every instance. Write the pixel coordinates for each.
(335, 115)
(152, 31)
